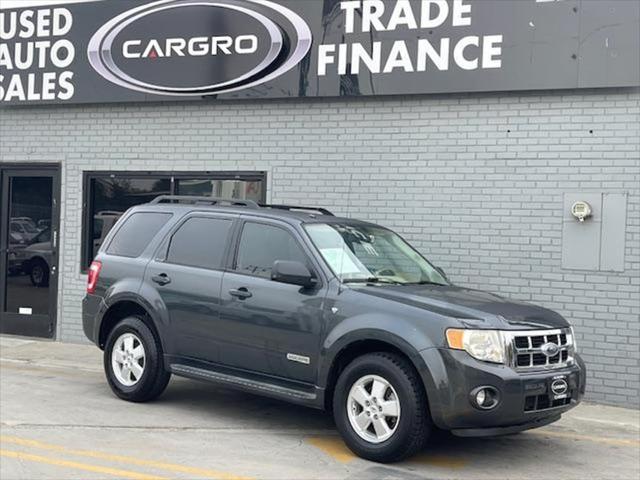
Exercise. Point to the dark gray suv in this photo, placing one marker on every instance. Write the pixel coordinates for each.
(328, 312)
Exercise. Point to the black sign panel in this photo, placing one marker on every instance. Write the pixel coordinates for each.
(240, 49)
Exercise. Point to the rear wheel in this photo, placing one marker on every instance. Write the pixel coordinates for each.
(380, 408)
(133, 362)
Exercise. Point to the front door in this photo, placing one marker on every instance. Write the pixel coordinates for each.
(29, 213)
(266, 326)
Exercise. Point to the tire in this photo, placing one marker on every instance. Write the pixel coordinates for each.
(39, 273)
(153, 379)
(410, 429)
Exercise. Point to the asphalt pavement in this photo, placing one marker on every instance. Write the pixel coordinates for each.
(59, 420)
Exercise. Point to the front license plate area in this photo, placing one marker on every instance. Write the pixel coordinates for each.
(558, 387)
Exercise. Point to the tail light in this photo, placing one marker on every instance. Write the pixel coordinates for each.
(94, 274)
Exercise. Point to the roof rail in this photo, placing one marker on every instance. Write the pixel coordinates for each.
(233, 202)
(204, 200)
(322, 211)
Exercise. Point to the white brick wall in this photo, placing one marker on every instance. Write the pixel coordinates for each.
(475, 181)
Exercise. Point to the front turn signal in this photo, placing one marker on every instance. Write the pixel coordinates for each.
(455, 338)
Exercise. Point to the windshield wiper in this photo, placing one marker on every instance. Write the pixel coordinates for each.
(426, 282)
(371, 280)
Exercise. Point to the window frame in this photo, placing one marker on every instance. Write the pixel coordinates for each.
(312, 264)
(113, 233)
(162, 253)
(88, 176)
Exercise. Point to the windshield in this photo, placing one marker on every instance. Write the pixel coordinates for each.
(363, 253)
(28, 227)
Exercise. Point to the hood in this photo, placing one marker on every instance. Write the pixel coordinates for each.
(39, 247)
(476, 308)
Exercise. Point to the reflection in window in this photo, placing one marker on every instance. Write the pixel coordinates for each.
(112, 196)
(30, 254)
(240, 189)
(108, 196)
(261, 245)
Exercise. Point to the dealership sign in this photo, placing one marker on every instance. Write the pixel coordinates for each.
(130, 50)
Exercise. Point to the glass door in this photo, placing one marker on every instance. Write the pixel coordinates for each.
(28, 250)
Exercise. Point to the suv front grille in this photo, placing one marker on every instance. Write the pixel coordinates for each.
(527, 352)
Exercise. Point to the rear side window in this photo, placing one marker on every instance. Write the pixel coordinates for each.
(200, 242)
(135, 234)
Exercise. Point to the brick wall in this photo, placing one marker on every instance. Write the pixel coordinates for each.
(476, 182)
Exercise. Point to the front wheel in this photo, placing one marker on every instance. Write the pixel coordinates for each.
(380, 408)
(39, 273)
(133, 362)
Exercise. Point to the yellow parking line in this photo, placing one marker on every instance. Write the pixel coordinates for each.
(334, 447)
(122, 459)
(621, 442)
(442, 461)
(78, 466)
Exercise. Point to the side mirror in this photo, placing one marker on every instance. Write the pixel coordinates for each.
(294, 273)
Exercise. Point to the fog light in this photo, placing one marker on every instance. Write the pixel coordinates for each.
(481, 396)
(484, 398)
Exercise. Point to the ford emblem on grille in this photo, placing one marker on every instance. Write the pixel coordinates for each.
(550, 349)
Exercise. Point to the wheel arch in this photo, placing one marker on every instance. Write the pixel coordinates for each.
(361, 342)
(124, 307)
(37, 258)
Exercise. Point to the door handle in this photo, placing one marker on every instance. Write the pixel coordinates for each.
(161, 279)
(240, 293)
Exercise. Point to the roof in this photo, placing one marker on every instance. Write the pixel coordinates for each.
(291, 213)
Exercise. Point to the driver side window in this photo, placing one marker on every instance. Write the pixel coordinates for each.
(261, 245)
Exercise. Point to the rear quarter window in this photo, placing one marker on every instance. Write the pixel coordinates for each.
(135, 234)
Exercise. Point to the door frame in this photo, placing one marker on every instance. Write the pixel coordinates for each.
(43, 326)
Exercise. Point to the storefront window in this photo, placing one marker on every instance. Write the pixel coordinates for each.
(230, 188)
(109, 195)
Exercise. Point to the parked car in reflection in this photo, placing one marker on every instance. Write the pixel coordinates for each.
(44, 224)
(15, 256)
(24, 228)
(37, 257)
(103, 222)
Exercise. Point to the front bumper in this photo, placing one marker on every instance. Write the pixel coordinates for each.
(525, 398)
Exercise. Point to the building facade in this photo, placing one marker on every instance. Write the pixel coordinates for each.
(481, 183)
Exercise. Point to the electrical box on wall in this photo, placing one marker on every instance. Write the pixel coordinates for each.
(594, 230)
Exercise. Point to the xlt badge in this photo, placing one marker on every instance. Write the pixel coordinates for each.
(298, 358)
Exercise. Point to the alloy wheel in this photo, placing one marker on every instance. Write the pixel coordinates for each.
(373, 408)
(128, 359)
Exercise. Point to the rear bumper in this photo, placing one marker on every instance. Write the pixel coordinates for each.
(525, 399)
(92, 309)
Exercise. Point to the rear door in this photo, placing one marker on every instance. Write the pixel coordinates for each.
(187, 273)
(266, 326)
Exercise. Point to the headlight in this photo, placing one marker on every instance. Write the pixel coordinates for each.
(485, 345)
(573, 339)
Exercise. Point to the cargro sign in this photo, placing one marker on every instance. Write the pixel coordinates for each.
(126, 50)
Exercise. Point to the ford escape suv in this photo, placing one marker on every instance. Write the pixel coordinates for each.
(333, 313)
